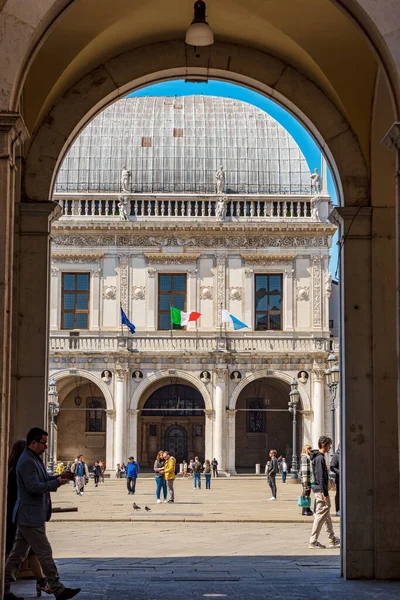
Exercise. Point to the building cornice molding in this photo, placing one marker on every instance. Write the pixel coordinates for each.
(171, 259)
(76, 258)
(267, 259)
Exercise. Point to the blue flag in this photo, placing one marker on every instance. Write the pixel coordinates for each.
(126, 321)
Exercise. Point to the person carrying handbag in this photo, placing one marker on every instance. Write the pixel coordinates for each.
(306, 476)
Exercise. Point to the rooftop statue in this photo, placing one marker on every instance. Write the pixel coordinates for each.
(315, 182)
(125, 180)
(220, 177)
(220, 210)
(123, 215)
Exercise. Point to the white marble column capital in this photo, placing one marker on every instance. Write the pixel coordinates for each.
(133, 412)
(110, 413)
(231, 413)
(319, 374)
(121, 373)
(221, 374)
(209, 414)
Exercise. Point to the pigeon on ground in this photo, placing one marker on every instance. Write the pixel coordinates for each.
(136, 507)
(147, 509)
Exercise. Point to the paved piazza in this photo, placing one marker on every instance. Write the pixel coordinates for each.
(229, 542)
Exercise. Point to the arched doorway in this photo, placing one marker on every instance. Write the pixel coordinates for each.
(81, 422)
(264, 422)
(172, 418)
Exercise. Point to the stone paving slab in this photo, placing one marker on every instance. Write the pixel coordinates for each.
(232, 499)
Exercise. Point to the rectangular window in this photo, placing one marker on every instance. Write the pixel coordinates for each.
(75, 301)
(152, 430)
(171, 292)
(178, 131)
(95, 416)
(268, 302)
(146, 142)
(331, 323)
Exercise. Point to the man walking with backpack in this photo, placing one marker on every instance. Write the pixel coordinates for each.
(81, 475)
(197, 469)
(132, 472)
(320, 488)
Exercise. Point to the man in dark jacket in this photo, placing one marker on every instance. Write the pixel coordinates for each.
(321, 491)
(132, 472)
(335, 468)
(32, 510)
(273, 470)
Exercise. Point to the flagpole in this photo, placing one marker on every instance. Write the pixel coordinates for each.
(120, 316)
(170, 321)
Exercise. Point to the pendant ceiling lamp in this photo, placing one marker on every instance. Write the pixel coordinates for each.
(199, 32)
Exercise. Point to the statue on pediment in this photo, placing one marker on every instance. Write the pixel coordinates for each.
(220, 177)
(315, 182)
(125, 180)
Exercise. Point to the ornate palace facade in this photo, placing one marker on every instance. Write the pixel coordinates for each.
(201, 203)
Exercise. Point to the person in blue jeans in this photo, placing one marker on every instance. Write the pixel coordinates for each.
(197, 469)
(284, 470)
(161, 484)
(207, 474)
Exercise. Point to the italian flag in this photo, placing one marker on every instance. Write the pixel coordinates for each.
(178, 317)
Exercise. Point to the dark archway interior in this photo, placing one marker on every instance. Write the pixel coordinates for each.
(263, 422)
(81, 422)
(172, 416)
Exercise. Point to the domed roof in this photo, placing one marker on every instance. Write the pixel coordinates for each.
(176, 145)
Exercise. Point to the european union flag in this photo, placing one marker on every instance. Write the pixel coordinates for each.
(126, 321)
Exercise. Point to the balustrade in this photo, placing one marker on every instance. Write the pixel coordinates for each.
(189, 343)
(256, 208)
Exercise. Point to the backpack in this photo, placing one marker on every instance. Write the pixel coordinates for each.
(197, 468)
(207, 469)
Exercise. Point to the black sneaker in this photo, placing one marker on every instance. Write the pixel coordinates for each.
(11, 596)
(68, 593)
(170, 501)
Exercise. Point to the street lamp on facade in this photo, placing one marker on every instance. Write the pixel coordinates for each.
(332, 375)
(54, 408)
(294, 397)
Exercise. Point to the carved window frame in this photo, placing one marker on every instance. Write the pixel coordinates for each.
(172, 293)
(269, 311)
(75, 311)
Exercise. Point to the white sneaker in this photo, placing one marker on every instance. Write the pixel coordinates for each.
(159, 501)
(273, 498)
(165, 501)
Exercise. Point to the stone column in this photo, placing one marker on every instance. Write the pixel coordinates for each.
(209, 422)
(249, 297)
(369, 377)
(152, 299)
(220, 407)
(110, 423)
(318, 405)
(316, 291)
(192, 297)
(121, 374)
(31, 331)
(231, 442)
(95, 299)
(288, 299)
(133, 433)
(221, 286)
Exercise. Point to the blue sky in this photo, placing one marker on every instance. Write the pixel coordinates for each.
(229, 90)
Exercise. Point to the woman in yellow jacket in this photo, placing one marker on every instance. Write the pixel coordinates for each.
(169, 475)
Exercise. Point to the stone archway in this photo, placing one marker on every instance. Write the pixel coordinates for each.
(82, 422)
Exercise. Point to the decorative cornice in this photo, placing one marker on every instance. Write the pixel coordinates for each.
(172, 259)
(76, 258)
(267, 259)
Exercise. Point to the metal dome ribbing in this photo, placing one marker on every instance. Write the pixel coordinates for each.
(176, 145)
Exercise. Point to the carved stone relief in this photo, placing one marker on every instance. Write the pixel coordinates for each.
(151, 272)
(302, 293)
(55, 271)
(221, 276)
(109, 292)
(235, 293)
(206, 292)
(248, 272)
(138, 292)
(316, 276)
(95, 272)
(123, 281)
(192, 273)
(172, 259)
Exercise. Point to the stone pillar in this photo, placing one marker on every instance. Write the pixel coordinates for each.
(12, 132)
(318, 405)
(192, 300)
(95, 299)
(209, 422)
(110, 422)
(369, 373)
(151, 299)
(288, 298)
(120, 416)
(221, 286)
(133, 433)
(31, 331)
(316, 261)
(231, 442)
(220, 408)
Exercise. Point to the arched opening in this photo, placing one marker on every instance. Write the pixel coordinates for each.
(172, 418)
(81, 421)
(263, 422)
